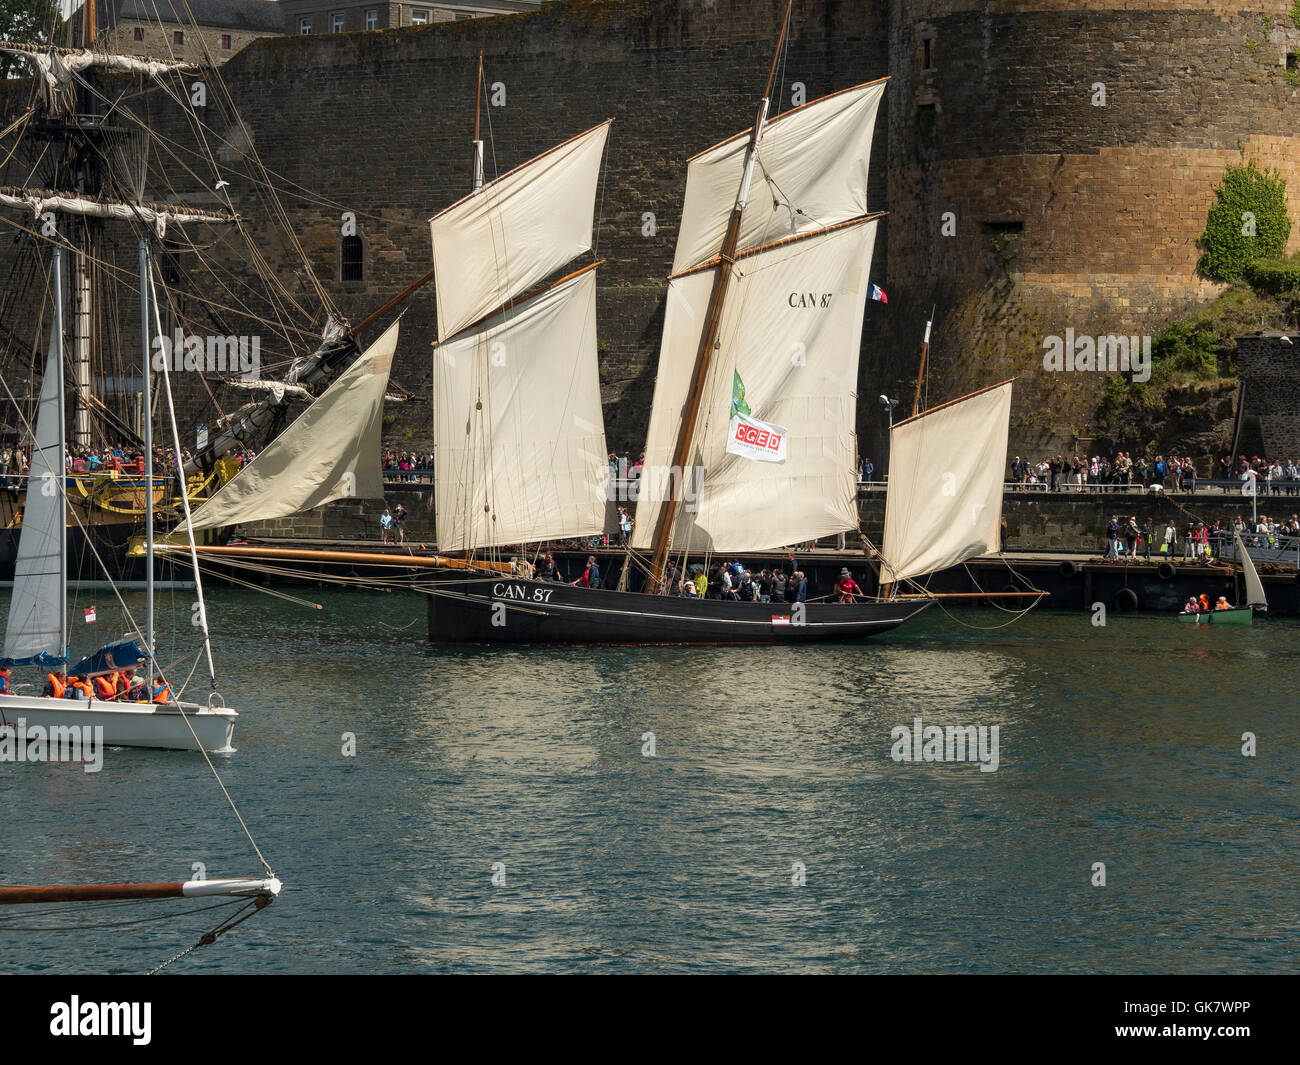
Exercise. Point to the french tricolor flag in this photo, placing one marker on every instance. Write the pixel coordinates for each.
(878, 293)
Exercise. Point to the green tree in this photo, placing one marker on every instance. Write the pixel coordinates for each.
(1247, 221)
(27, 22)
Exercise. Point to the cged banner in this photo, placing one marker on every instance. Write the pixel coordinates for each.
(751, 439)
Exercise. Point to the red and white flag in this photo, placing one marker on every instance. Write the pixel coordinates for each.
(751, 439)
(90, 614)
(878, 293)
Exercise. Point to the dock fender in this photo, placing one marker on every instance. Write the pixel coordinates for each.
(1069, 568)
(1126, 600)
(1165, 571)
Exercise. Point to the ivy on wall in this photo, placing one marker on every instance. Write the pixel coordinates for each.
(1247, 221)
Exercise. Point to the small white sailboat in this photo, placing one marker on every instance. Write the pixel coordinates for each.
(37, 630)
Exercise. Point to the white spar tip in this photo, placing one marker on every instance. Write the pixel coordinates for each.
(201, 888)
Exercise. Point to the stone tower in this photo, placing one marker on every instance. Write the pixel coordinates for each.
(1051, 163)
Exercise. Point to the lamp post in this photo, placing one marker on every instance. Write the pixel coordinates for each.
(889, 405)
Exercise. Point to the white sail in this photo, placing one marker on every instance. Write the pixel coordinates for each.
(791, 329)
(811, 173)
(519, 434)
(330, 452)
(37, 629)
(944, 499)
(1254, 586)
(515, 231)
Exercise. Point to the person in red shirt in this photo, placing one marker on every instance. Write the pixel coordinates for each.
(846, 588)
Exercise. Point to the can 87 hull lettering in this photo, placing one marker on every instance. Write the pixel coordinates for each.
(521, 591)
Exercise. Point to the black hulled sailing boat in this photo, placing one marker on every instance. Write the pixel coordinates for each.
(752, 440)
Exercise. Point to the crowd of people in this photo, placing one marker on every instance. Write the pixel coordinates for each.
(1175, 473)
(113, 459)
(407, 466)
(122, 686)
(731, 581)
(1198, 540)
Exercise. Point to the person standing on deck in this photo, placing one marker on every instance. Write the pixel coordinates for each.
(591, 575)
(800, 588)
(846, 587)
(399, 523)
(385, 524)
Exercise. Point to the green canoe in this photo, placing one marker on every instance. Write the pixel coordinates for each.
(1237, 615)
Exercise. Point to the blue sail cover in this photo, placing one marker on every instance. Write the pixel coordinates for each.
(45, 660)
(121, 655)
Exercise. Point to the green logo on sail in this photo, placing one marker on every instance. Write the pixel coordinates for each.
(738, 404)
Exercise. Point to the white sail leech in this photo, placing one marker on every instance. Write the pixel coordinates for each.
(1254, 586)
(791, 328)
(37, 620)
(329, 452)
(944, 499)
(526, 465)
(513, 232)
(812, 173)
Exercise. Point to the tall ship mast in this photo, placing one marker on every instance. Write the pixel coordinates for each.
(81, 153)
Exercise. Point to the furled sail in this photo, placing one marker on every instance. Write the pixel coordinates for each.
(39, 201)
(515, 231)
(944, 499)
(791, 329)
(518, 429)
(812, 173)
(1254, 586)
(330, 452)
(37, 629)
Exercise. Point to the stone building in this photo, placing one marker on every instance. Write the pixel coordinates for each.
(1047, 164)
(1268, 368)
(198, 31)
(305, 17)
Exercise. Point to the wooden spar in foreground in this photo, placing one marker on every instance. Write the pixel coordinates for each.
(267, 889)
(298, 554)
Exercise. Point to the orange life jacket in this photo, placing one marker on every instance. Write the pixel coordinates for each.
(59, 687)
(84, 687)
(105, 687)
(162, 694)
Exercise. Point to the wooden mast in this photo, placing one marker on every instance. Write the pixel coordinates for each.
(920, 373)
(709, 341)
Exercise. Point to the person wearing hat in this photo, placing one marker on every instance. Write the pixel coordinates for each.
(846, 587)
(1222, 604)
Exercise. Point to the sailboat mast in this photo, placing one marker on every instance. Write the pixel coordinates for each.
(478, 144)
(712, 322)
(184, 488)
(81, 345)
(920, 373)
(60, 464)
(147, 400)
